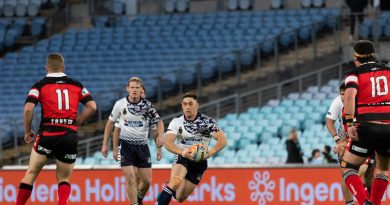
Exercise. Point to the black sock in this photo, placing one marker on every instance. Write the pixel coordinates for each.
(140, 198)
(165, 196)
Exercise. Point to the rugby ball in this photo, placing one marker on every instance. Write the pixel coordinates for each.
(199, 151)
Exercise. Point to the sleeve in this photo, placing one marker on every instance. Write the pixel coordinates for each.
(173, 127)
(115, 113)
(352, 80)
(213, 127)
(335, 108)
(84, 95)
(154, 116)
(33, 94)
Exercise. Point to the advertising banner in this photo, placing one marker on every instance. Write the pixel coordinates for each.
(241, 186)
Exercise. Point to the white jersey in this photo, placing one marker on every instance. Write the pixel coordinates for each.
(198, 131)
(134, 120)
(334, 112)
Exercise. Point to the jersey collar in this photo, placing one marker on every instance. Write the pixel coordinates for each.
(196, 117)
(59, 74)
(127, 98)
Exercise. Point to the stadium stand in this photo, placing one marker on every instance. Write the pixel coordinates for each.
(152, 47)
(259, 134)
(375, 28)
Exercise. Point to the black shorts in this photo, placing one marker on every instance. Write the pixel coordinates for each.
(134, 155)
(372, 137)
(195, 170)
(62, 147)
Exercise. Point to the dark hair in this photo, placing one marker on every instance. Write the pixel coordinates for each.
(190, 95)
(364, 51)
(342, 86)
(327, 148)
(314, 152)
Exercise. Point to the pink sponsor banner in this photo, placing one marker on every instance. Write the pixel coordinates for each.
(262, 186)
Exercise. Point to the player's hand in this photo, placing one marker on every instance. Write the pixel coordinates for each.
(159, 142)
(159, 154)
(29, 137)
(340, 148)
(209, 154)
(105, 151)
(352, 133)
(188, 154)
(115, 155)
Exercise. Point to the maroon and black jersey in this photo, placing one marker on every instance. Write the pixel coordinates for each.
(373, 98)
(59, 96)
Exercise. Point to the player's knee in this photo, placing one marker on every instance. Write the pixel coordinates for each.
(130, 178)
(175, 182)
(32, 172)
(146, 181)
(382, 172)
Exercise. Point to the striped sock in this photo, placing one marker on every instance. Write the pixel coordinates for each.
(379, 187)
(165, 196)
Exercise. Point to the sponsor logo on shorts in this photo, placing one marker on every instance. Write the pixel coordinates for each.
(40, 148)
(70, 156)
(359, 149)
(329, 113)
(149, 160)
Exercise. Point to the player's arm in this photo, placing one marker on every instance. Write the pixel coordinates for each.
(106, 136)
(158, 134)
(109, 126)
(333, 114)
(221, 143)
(31, 101)
(171, 146)
(351, 84)
(27, 120)
(115, 141)
(88, 111)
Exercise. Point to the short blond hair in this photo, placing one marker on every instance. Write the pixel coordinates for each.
(55, 62)
(135, 79)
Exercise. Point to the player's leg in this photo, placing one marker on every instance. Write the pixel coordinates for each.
(179, 171)
(347, 194)
(381, 180)
(184, 190)
(131, 188)
(143, 179)
(63, 173)
(381, 132)
(143, 169)
(350, 166)
(367, 173)
(65, 153)
(129, 163)
(37, 161)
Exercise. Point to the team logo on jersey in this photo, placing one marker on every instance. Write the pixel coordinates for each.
(180, 130)
(124, 111)
(84, 91)
(34, 92)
